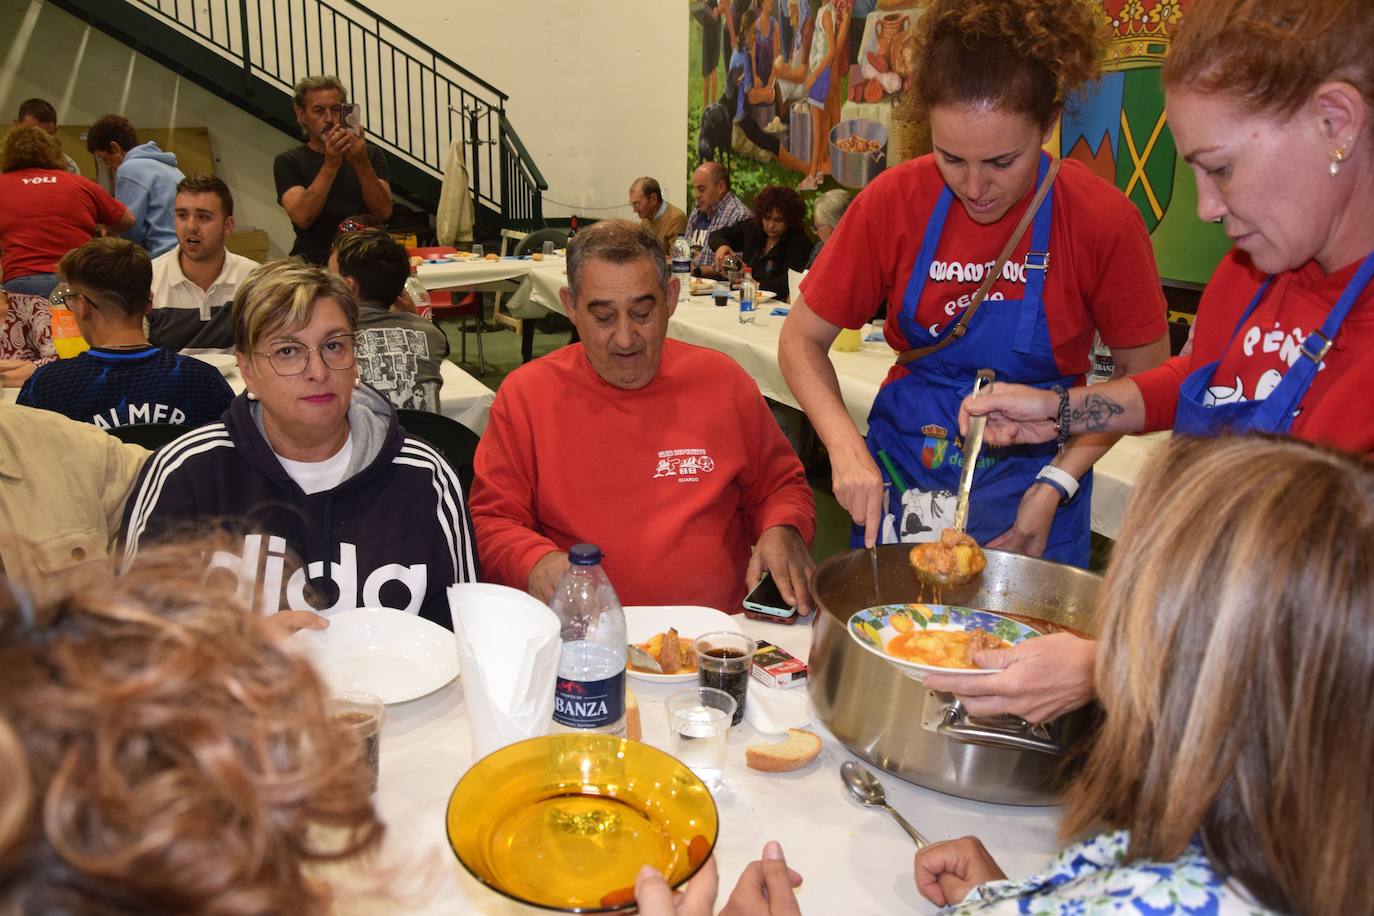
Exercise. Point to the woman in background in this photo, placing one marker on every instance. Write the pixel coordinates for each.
(48, 211)
(772, 243)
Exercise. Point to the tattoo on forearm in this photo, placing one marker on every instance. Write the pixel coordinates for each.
(1093, 415)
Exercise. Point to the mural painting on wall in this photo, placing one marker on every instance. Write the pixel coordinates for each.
(1118, 128)
(810, 94)
(814, 94)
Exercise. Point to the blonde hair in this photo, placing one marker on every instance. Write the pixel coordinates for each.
(282, 295)
(1237, 658)
(315, 84)
(164, 751)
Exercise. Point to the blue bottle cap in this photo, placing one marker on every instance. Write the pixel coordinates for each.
(584, 555)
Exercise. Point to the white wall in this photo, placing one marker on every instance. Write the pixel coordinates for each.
(85, 74)
(597, 91)
(598, 88)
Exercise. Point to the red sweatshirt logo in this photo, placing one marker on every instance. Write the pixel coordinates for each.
(685, 464)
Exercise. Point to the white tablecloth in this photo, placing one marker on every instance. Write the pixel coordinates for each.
(461, 398)
(855, 860)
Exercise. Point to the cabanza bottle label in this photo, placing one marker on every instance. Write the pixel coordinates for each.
(589, 704)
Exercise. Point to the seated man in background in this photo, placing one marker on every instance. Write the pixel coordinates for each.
(194, 283)
(145, 180)
(663, 454)
(63, 486)
(398, 353)
(40, 113)
(122, 379)
(716, 208)
(664, 221)
(333, 175)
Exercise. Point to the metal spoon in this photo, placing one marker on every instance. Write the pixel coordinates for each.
(866, 788)
(641, 659)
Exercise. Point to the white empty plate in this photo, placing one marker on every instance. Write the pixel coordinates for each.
(395, 655)
(690, 621)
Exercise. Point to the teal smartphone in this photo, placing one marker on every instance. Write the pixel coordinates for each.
(765, 602)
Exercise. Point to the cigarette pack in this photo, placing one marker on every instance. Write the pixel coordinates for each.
(776, 667)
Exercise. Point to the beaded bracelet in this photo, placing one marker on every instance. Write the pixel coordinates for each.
(1063, 420)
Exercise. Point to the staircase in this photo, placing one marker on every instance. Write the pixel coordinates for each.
(416, 102)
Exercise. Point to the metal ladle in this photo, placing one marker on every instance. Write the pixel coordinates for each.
(868, 791)
(973, 445)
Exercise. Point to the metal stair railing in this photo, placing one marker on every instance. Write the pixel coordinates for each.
(416, 102)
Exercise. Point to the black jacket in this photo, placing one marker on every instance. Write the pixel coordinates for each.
(395, 533)
(770, 270)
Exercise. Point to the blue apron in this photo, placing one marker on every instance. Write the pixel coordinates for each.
(1274, 414)
(915, 419)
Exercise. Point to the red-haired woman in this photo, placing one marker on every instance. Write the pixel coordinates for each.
(1272, 102)
(927, 236)
(773, 242)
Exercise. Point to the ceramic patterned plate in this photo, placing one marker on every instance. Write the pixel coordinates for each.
(690, 621)
(875, 628)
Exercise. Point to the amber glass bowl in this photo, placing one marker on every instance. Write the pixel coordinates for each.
(565, 822)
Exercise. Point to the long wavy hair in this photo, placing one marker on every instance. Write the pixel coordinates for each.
(1236, 669)
(165, 753)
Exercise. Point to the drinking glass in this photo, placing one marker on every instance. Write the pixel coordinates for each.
(725, 660)
(361, 713)
(548, 248)
(477, 251)
(699, 726)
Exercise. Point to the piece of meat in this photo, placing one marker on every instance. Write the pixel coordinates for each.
(670, 656)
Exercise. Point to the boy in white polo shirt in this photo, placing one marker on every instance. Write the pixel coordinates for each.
(194, 283)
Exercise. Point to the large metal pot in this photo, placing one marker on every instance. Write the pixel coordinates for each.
(855, 170)
(925, 737)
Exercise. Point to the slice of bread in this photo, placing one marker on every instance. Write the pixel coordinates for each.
(800, 748)
(634, 729)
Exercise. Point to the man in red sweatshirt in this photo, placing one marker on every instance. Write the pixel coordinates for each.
(663, 454)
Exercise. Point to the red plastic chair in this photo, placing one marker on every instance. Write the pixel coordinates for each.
(443, 306)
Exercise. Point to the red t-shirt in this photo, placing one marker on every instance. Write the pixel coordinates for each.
(46, 213)
(674, 481)
(1101, 276)
(1338, 409)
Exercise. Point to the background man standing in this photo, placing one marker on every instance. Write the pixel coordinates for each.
(661, 218)
(333, 175)
(194, 283)
(40, 113)
(145, 180)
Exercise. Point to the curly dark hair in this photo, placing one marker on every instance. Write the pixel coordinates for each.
(109, 129)
(1019, 55)
(787, 202)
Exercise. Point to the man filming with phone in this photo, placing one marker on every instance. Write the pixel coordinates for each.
(663, 454)
(334, 174)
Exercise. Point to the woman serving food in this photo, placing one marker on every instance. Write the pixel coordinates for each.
(1272, 102)
(990, 256)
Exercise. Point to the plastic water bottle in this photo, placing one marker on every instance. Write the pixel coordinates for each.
(589, 693)
(1103, 365)
(748, 297)
(420, 296)
(682, 266)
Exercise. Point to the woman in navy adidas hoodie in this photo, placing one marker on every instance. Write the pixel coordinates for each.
(331, 505)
